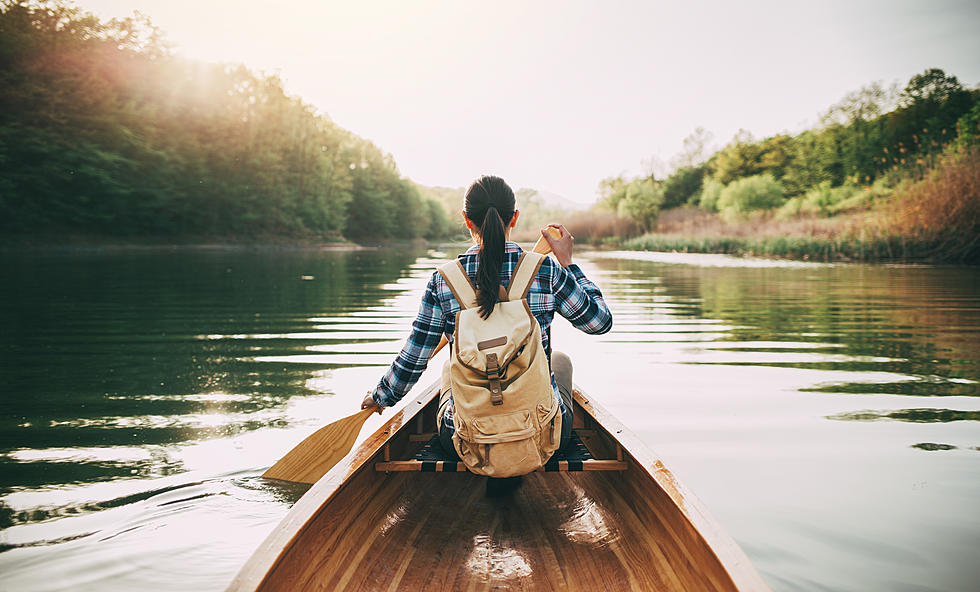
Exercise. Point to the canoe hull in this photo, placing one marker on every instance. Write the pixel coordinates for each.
(620, 530)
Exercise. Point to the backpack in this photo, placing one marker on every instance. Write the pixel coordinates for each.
(506, 417)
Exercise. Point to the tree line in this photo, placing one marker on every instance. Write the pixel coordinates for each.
(104, 131)
(863, 147)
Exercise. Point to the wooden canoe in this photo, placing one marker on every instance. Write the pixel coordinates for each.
(374, 523)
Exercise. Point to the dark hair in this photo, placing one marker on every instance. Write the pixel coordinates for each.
(489, 203)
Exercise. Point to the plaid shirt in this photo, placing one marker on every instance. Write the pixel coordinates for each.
(554, 289)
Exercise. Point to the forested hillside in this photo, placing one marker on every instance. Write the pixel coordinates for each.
(104, 132)
(890, 165)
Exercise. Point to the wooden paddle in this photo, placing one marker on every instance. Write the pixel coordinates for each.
(320, 451)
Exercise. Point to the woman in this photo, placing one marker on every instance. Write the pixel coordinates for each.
(490, 215)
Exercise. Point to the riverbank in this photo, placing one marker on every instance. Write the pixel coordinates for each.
(932, 219)
(91, 242)
(806, 248)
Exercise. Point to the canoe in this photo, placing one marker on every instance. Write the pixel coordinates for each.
(383, 519)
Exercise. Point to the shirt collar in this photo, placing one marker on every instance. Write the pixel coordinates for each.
(509, 247)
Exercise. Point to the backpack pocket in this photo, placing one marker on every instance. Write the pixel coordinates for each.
(500, 445)
(549, 419)
(507, 427)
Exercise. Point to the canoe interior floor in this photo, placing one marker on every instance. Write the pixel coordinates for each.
(558, 531)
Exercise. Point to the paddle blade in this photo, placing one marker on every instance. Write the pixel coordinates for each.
(543, 246)
(320, 451)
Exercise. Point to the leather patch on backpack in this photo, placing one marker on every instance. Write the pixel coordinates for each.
(495, 342)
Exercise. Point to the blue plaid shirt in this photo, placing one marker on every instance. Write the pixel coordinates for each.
(565, 290)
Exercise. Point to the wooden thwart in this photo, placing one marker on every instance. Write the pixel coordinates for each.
(432, 458)
(446, 466)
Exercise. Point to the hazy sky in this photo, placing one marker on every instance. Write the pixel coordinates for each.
(558, 95)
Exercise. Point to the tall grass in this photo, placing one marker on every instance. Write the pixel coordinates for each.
(596, 226)
(943, 208)
(689, 221)
(807, 248)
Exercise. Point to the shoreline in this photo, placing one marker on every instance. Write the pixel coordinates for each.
(838, 249)
(91, 243)
(878, 251)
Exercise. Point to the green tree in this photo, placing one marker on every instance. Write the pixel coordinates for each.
(933, 85)
(694, 151)
(641, 203)
(968, 127)
(710, 192)
(683, 186)
(612, 190)
(104, 131)
(759, 192)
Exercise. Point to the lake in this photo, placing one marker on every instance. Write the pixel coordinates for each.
(827, 415)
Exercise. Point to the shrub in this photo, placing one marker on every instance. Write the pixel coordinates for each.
(682, 186)
(968, 128)
(710, 191)
(943, 208)
(826, 200)
(758, 192)
(794, 207)
(862, 199)
(642, 203)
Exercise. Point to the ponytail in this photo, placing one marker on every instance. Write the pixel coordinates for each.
(489, 203)
(490, 261)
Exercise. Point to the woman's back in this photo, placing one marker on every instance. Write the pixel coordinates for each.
(559, 286)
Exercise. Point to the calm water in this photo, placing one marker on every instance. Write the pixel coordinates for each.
(826, 415)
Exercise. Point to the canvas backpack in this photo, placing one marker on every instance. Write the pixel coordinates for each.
(506, 417)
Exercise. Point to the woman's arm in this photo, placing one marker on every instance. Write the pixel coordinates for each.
(577, 299)
(414, 357)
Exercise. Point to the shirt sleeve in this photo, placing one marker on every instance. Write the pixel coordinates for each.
(411, 362)
(579, 300)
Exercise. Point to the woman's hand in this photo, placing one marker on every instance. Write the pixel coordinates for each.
(561, 248)
(368, 403)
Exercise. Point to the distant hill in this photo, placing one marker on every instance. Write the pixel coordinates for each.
(538, 208)
(553, 201)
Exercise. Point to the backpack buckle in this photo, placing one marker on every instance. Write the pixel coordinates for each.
(493, 374)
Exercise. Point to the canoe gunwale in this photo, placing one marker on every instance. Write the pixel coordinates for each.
(735, 562)
(303, 513)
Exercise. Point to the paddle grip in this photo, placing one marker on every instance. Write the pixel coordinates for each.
(542, 247)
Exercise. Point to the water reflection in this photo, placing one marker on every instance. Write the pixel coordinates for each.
(911, 415)
(802, 418)
(933, 447)
(918, 326)
(115, 362)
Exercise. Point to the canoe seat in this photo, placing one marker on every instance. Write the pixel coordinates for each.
(432, 458)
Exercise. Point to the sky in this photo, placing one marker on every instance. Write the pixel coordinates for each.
(559, 95)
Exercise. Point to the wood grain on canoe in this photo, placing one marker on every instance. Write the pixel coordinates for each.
(625, 530)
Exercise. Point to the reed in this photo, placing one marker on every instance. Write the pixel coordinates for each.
(807, 248)
(942, 209)
(594, 227)
(600, 226)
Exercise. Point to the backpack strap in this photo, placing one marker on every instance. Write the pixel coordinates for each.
(524, 274)
(459, 283)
